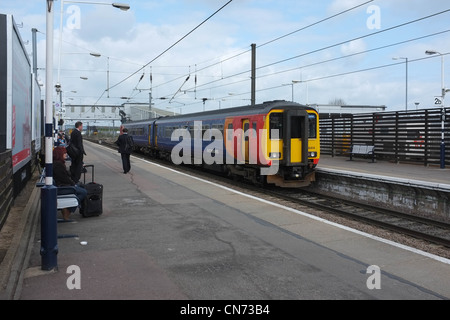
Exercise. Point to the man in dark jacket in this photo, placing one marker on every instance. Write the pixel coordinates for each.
(125, 143)
(77, 162)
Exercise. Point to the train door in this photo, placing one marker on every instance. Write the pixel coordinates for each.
(296, 133)
(150, 135)
(245, 139)
(254, 143)
(155, 135)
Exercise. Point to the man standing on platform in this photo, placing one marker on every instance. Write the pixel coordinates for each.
(77, 162)
(125, 144)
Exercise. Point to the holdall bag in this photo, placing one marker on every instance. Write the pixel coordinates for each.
(72, 151)
(92, 205)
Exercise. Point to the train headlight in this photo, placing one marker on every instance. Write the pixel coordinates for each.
(312, 154)
(275, 155)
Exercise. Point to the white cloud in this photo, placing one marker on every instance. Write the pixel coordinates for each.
(353, 47)
(132, 39)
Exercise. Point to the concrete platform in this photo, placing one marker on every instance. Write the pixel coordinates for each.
(165, 235)
(409, 188)
(409, 173)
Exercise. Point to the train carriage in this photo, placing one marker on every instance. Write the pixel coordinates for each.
(274, 142)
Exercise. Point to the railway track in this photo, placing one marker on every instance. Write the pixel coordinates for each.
(430, 230)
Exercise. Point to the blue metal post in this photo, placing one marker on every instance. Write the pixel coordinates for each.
(49, 236)
(49, 233)
(443, 133)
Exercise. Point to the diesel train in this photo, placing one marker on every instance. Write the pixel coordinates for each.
(275, 142)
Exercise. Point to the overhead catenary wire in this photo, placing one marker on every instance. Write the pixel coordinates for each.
(236, 55)
(285, 35)
(336, 45)
(333, 76)
(321, 62)
(173, 45)
(203, 85)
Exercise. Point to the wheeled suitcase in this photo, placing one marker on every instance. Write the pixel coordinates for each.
(93, 203)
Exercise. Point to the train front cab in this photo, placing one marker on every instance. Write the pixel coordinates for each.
(296, 148)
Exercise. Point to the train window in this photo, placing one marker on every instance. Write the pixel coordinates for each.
(296, 127)
(246, 133)
(254, 129)
(217, 126)
(167, 132)
(276, 123)
(230, 132)
(312, 125)
(206, 136)
(215, 129)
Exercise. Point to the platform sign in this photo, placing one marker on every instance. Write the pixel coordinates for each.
(37, 119)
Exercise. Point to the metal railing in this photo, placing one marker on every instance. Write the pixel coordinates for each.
(413, 136)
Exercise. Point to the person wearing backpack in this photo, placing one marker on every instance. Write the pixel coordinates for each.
(125, 144)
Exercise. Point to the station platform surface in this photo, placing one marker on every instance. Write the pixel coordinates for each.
(411, 172)
(169, 236)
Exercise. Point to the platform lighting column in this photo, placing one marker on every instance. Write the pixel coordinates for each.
(294, 82)
(430, 52)
(121, 6)
(406, 97)
(49, 242)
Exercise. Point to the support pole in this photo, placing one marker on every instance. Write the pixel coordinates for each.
(49, 235)
(442, 115)
(253, 99)
(34, 31)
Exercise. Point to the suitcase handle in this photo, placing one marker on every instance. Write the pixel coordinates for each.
(87, 166)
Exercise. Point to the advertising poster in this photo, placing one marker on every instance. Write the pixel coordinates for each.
(19, 100)
(3, 82)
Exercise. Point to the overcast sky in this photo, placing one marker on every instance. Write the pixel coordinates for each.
(341, 49)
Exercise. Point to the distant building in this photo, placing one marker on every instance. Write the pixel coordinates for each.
(108, 115)
(346, 109)
(141, 111)
(99, 115)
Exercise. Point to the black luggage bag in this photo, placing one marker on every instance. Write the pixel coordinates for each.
(93, 203)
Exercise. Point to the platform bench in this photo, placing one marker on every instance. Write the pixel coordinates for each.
(363, 150)
(66, 196)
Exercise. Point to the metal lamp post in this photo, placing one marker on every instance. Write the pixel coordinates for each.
(49, 236)
(121, 6)
(431, 52)
(292, 87)
(406, 97)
